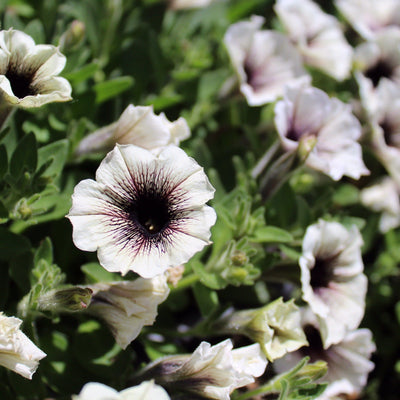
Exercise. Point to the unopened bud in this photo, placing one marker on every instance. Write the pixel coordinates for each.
(71, 299)
(72, 37)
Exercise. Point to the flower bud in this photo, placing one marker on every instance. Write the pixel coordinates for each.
(73, 36)
(71, 299)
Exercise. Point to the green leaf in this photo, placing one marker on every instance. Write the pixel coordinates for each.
(42, 134)
(3, 161)
(83, 74)
(57, 152)
(271, 234)
(346, 195)
(211, 280)
(207, 299)
(3, 213)
(44, 251)
(24, 157)
(96, 273)
(112, 88)
(12, 244)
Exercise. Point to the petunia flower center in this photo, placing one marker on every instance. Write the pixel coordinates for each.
(390, 133)
(381, 69)
(315, 350)
(322, 273)
(152, 213)
(21, 83)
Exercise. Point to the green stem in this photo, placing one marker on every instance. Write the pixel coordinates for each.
(185, 282)
(268, 388)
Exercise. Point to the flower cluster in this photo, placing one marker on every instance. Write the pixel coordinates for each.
(206, 218)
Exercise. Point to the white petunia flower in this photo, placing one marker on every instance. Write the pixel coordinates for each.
(377, 61)
(17, 351)
(145, 212)
(28, 71)
(368, 17)
(147, 390)
(127, 306)
(308, 119)
(275, 327)
(139, 126)
(332, 279)
(317, 35)
(264, 60)
(385, 126)
(348, 360)
(384, 197)
(211, 371)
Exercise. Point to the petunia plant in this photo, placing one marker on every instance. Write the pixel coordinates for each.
(199, 199)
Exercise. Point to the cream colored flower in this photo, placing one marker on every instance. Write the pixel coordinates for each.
(384, 197)
(332, 279)
(139, 126)
(264, 60)
(147, 390)
(275, 327)
(377, 61)
(307, 118)
(212, 372)
(348, 360)
(317, 35)
(385, 127)
(28, 71)
(145, 212)
(17, 351)
(127, 306)
(369, 17)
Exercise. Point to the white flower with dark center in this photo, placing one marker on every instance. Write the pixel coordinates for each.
(317, 35)
(127, 306)
(17, 351)
(385, 126)
(369, 17)
(308, 119)
(145, 212)
(384, 197)
(147, 390)
(139, 126)
(28, 71)
(332, 279)
(212, 372)
(348, 361)
(377, 61)
(264, 60)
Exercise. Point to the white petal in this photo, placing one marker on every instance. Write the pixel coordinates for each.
(97, 391)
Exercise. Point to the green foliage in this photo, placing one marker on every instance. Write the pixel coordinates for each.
(142, 52)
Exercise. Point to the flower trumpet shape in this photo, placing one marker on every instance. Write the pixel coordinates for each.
(369, 17)
(127, 306)
(323, 129)
(137, 125)
(318, 36)
(213, 372)
(348, 360)
(145, 212)
(333, 283)
(265, 60)
(17, 351)
(28, 71)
